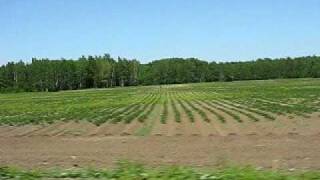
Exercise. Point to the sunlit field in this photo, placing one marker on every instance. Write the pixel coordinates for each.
(151, 108)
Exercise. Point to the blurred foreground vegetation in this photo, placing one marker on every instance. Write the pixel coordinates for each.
(127, 170)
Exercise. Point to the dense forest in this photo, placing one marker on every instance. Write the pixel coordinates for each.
(105, 71)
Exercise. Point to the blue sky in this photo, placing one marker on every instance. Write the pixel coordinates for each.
(146, 29)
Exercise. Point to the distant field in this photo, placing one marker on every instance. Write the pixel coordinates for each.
(267, 124)
(220, 108)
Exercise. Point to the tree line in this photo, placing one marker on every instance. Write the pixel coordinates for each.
(105, 71)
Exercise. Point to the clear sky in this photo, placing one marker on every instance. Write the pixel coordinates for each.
(153, 29)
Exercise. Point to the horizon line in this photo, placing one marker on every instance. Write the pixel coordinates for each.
(157, 59)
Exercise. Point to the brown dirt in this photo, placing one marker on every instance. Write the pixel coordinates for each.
(6, 129)
(159, 129)
(131, 128)
(293, 142)
(47, 129)
(101, 130)
(76, 129)
(296, 125)
(22, 131)
(59, 130)
(301, 152)
(114, 129)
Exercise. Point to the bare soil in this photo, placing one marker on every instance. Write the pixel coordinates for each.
(288, 142)
(301, 152)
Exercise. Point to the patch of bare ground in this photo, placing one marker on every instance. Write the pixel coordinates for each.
(131, 128)
(69, 128)
(107, 129)
(205, 127)
(290, 142)
(80, 128)
(300, 152)
(49, 130)
(160, 129)
(117, 128)
(4, 129)
(309, 126)
(297, 125)
(22, 130)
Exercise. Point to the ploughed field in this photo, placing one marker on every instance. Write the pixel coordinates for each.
(205, 109)
(262, 123)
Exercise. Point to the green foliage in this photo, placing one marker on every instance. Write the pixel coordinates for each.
(55, 75)
(127, 170)
(164, 114)
(256, 100)
(104, 71)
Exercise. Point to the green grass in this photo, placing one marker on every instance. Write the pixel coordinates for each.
(265, 99)
(134, 171)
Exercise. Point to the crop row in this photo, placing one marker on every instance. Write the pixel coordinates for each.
(164, 114)
(252, 100)
(230, 107)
